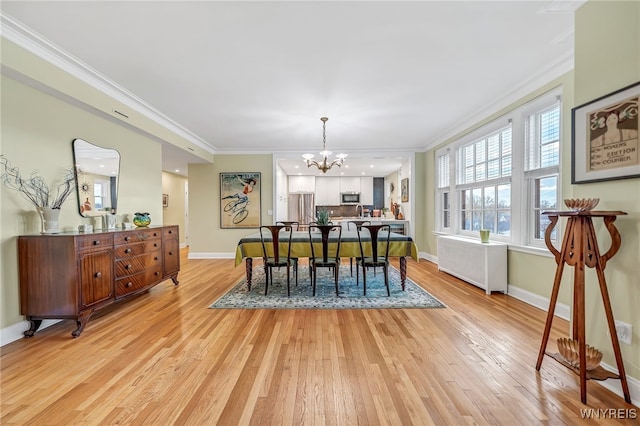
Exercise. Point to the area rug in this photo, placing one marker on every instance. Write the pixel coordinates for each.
(350, 297)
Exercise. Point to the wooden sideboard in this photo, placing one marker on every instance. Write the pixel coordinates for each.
(74, 275)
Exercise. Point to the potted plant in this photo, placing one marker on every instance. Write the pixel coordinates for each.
(322, 217)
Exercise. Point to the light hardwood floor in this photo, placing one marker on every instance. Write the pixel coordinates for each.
(165, 358)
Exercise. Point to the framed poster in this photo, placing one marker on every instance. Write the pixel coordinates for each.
(240, 200)
(604, 137)
(404, 190)
(165, 200)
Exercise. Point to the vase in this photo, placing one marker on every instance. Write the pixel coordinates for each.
(49, 218)
(141, 219)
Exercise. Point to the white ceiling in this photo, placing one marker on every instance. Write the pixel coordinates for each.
(255, 77)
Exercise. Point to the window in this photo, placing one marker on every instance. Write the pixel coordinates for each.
(101, 194)
(502, 176)
(542, 160)
(484, 185)
(444, 213)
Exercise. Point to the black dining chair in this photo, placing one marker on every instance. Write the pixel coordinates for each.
(356, 224)
(325, 251)
(292, 225)
(374, 252)
(271, 256)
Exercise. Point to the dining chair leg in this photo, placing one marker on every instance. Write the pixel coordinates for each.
(266, 279)
(357, 275)
(313, 280)
(288, 281)
(386, 280)
(336, 279)
(351, 265)
(364, 280)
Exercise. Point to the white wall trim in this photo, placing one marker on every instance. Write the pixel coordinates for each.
(615, 386)
(23, 36)
(16, 331)
(562, 311)
(427, 256)
(222, 255)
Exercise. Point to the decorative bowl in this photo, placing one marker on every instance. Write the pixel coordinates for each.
(568, 348)
(141, 220)
(581, 204)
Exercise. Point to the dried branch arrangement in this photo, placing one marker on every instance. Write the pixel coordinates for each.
(34, 188)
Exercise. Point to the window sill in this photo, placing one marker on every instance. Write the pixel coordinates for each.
(537, 251)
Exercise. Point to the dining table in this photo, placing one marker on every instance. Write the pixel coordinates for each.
(250, 246)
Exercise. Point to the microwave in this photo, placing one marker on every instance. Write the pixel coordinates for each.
(347, 198)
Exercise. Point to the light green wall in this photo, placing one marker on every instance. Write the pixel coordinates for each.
(204, 201)
(174, 186)
(37, 130)
(607, 58)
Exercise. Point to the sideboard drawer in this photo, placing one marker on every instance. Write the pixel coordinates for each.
(136, 236)
(135, 249)
(139, 281)
(133, 265)
(95, 241)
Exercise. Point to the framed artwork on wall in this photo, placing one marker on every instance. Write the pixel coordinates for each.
(240, 200)
(165, 200)
(604, 137)
(404, 190)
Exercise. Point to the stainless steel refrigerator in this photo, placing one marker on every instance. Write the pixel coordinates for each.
(302, 207)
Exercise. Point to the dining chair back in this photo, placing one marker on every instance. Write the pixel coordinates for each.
(295, 225)
(325, 251)
(292, 225)
(355, 224)
(272, 255)
(374, 252)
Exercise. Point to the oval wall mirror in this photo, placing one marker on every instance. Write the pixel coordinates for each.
(97, 175)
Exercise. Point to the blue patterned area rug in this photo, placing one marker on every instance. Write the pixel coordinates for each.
(351, 296)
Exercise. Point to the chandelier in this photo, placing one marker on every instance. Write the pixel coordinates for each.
(324, 164)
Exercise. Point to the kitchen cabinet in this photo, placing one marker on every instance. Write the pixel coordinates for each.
(350, 184)
(72, 275)
(366, 190)
(302, 183)
(327, 191)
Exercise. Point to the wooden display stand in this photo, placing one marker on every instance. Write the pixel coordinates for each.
(580, 249)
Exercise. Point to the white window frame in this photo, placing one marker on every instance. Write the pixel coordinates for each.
(530, 176)
(522, 183)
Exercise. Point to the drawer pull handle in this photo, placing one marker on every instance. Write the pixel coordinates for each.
(129, 284)
(155, 234)
(156, 273)
(128, 250)
(127, 267)
(171, 232)
(127, 238)
(96, 242)
(155, 258)
(97, 274)
(170, 253)
(155, 244)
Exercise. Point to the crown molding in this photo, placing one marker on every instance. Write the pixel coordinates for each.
(18, 33)
(553, 71)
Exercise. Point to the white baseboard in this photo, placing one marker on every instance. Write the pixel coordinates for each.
(16, 331)
(562, 311)
(427, 256)
(615, 386)
(223, 255)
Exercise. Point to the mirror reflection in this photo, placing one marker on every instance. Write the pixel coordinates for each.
(97, 172)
